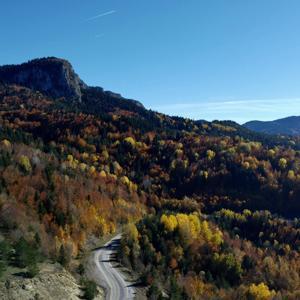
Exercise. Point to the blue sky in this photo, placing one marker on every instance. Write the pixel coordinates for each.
(203, 59)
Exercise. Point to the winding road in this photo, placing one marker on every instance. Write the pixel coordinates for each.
(117, 288)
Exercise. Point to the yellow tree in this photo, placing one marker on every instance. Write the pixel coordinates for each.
(25, 163)
(210, 154)
(169, 222)
(132, 233)
(260, 292)
(282, 163)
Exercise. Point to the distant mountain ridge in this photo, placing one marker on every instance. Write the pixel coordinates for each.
(285, 126)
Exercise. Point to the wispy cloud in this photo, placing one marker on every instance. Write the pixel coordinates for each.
(107, 13)
(238, 110)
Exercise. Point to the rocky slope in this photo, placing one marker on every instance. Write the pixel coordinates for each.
(52, 283)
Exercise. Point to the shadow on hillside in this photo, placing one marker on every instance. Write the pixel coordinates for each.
(136, 285)
(114, 245)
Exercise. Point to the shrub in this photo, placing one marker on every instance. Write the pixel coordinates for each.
(32, 270)
(2, 268)
(90, 290)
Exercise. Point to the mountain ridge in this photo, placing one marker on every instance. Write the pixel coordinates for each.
(284, 126)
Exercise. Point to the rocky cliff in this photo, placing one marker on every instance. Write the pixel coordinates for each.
(52, 76)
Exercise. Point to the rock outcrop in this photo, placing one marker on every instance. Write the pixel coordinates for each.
(55, 77)
(51, 76)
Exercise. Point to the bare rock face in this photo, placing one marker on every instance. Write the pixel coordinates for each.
(51, 76)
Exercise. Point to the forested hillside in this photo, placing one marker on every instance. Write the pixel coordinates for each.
(211, 208)
(285, 126)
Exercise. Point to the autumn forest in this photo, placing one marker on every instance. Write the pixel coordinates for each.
(208, 210)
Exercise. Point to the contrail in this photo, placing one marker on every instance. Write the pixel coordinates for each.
(101, 15)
